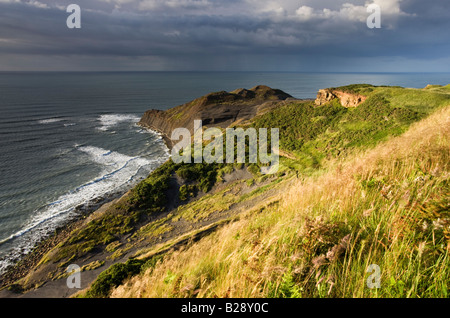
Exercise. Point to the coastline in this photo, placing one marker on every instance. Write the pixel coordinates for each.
(26, 262)
(167, 141)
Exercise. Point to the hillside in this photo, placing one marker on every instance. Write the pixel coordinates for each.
(388, 206)
(218, 109)
(166, 230)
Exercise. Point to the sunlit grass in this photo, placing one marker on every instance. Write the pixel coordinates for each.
(388, 206)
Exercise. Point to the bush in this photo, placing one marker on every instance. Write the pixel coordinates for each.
(151, 193)
(208, 182)
(117, 274)
(188, 172)
(187, 191)
(113, 277)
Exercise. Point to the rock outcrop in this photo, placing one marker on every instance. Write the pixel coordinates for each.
(219, 109)
(346, 99)
(430, 86)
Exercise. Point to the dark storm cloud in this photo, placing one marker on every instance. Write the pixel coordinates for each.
(205, 34)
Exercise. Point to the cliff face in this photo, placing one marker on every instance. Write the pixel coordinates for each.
(346, 99)
(219, 109)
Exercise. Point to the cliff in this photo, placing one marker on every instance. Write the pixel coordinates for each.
(346, 99)
(219, 109)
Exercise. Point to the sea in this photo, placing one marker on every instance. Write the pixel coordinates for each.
(69, 140)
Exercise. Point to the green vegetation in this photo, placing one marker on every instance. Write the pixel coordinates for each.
(439, 88)
(204, 174)
(360, 89)
(388, 206)
(99, 232)
(122, 218)
(116, 274)
(155, 228)
(187, 191)
(329, 131)
(206, 205)
(148, 198)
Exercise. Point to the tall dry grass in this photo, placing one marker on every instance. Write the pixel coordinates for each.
(388, 206)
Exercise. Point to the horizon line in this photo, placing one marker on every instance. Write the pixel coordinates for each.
(220, 71)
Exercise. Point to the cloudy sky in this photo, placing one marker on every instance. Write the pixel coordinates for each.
(235, 35)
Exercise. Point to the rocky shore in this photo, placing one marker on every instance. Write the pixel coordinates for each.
(23, 266)
(27, 262)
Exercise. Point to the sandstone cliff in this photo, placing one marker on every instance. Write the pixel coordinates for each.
(219, 109)
(346, 99)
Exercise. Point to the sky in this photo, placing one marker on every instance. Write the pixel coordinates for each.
(225, 35)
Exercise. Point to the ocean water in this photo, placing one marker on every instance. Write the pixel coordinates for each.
(68, 139)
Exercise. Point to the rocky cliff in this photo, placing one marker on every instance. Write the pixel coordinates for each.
(346, 99)
(219, 109)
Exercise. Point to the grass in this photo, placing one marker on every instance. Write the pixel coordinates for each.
(155, 229)
(388, 206)
(318, 133)
(205, 206)
(99, 232)
(362, 89)
(416, 99)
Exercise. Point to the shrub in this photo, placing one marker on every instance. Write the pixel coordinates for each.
(113, 277)
(116, 274)
(183, 194)
(151, 193)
